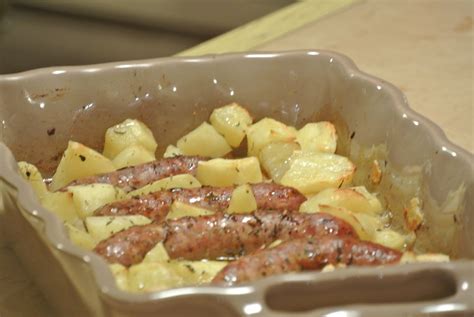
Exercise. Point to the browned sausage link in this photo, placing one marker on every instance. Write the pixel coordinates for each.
(305, 254)
(218, 236)
(129, 246)
(131, 178)
(269, 196)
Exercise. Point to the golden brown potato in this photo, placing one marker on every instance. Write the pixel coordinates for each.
(88, 198)
(103, 227)
(356, 199)
(267, 131)
(34, 177)
(172, 151)
(176, 181)
(242, 200)
(179, 209)
(132, 155)
(79, 161)
(125, 134)
(231, 121)
(61, 204)
(276, 158)
(310, 173)
(318, 137)
(204, 141)
(224, 172)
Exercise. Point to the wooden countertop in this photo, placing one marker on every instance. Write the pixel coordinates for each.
(425, 47)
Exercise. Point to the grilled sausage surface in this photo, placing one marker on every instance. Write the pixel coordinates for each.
(305, 254)
(131, 178)
(218, 236)
(269, 196)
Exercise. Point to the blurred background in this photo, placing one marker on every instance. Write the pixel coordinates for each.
(40, 33)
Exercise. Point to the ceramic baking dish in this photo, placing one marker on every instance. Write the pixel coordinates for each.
(172, 96)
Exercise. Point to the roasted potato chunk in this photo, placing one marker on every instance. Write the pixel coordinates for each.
(267, 131)
(79, 161)
(130, 132)
(231, 121)
(204, 141)
(222, 172)
(310, 173)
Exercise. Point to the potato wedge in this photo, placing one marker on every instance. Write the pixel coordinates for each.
(370, 223)
(242, 200)
(318, 137)
(231, 121)
(356, 199)
(177, 181)
(172, 151)
(204, 141)
(198, 272)
(34, 177)
(153, 276)
(127, 133)
(267, 131)
(349, 217)
(179, 209)
(390, 238)
(88, 198)
(80, 238)
(132, 155)
(61, 204)
(413, 215)
(120, 273)
(157, 254)
(103, 227)
(275, 158)
(79, 161)
(310, 173)
(223, 172)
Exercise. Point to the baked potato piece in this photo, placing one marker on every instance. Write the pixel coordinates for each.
(126, 133)
(176, 181)
(79, 161)
(267, 131)
(356, 199)
(311, 173)
(318, 137)
(275, 158)
(242, 200)
(88, 198)
(179, 209)
(61, 204)
(31, 174)
(132, 155)
(228, 172)
(231, 121)
(204, 141)
(103, 227)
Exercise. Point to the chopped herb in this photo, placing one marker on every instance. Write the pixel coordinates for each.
(190, 268)
(455, 218)
(353, 135)
(82, 157)
(28, 174)
(109, 222)
(51, 131)
(237, 169)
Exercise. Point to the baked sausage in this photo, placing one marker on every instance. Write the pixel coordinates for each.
(269, 196)
(218, 236)
(131, 178)
(305, 254)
